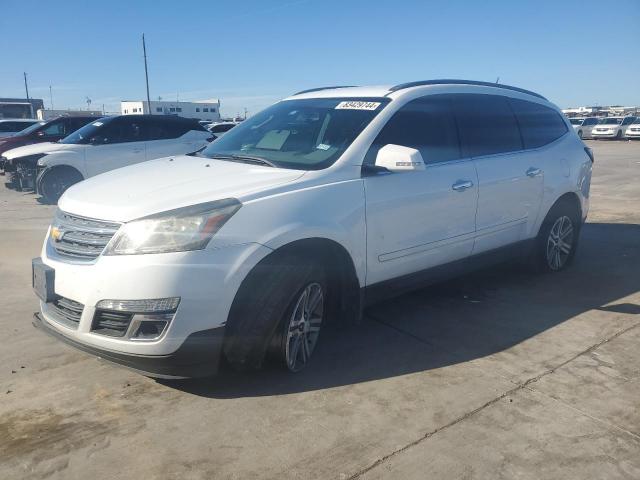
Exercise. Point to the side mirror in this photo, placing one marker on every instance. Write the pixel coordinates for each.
(397, 158)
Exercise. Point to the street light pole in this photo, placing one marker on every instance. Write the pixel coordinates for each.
(146, 73)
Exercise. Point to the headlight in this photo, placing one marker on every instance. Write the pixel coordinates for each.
(180, 230)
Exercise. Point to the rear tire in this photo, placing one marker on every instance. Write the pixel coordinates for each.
(54, 183)
(266, 311)
(557, 242)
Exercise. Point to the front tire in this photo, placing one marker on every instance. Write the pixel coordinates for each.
(270, 305)
(54, 183)
(580, 134)
(557, 240)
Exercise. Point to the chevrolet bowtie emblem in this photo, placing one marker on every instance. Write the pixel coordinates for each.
(56, 234)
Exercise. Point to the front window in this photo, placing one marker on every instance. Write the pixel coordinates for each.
(31, 128)
(299, 134)
(88, 131)
(576, 121)
(610, 121)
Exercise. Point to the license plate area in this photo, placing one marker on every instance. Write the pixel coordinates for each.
(43, 280)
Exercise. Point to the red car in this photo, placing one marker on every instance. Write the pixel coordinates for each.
(49, 131)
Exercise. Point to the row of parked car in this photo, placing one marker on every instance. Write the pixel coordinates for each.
(49, 157)
(607, 127)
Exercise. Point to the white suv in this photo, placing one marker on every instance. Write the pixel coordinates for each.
(104, 145)
(306, 212)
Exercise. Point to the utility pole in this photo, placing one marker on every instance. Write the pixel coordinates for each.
(51, 96)
(26, 88)
(146, 73)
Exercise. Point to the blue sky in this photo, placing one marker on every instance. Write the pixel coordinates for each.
(251, 53)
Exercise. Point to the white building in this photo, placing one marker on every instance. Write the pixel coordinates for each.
(204, 110)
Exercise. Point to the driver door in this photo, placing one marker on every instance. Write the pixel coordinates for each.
(119, 144)
(420, 219)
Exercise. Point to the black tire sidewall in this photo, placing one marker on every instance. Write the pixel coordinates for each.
(261, 306)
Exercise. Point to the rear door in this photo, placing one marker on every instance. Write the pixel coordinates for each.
(510, 180)
(421, 219)
(118, 144)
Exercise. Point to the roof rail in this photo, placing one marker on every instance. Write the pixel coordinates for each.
(449, 81)
(322, 88)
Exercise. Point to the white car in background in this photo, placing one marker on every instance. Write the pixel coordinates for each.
(218, 129)
(322, 203)
(584, 126)
(612, 127)
(104, 145)
(633, 130)
(9, 126)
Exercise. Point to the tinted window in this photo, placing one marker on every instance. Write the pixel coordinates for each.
(426, 124)
(540, 125)
(54, 129)
(590, 121)
(628, 121)
(221, 128)
(13, 126)
(487, 125)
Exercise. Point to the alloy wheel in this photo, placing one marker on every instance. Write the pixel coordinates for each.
(560, 243)
(303, 327)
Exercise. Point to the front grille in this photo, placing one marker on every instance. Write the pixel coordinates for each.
(79, 237)
(66, 312)
(110, 323)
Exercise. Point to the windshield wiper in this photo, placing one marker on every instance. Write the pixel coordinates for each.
(245, 159)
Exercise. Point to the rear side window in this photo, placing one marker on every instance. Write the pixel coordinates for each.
(426, 124)
(487, 125)
(540, 125)
(13, 126)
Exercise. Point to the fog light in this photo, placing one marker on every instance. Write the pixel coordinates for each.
(140, 306)
(149, 327)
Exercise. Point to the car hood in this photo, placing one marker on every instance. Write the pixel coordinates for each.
(164, 184)
(35, 148)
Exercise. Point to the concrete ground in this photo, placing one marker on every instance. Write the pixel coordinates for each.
(499, 374)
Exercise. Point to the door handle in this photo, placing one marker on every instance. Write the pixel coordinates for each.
(462, 185)
(533, 172)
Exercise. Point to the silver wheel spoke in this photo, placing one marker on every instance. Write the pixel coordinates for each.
(304, 327)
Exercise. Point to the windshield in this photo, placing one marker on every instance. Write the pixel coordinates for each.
(576, 121)
(299, 134)
(86, 132)
(29, 129)
(610, 121)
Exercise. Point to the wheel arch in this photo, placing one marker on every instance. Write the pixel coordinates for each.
(569, 198)
(55, 169)
(339, 265)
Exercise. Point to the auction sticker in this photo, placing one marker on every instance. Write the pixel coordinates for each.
(351, 105)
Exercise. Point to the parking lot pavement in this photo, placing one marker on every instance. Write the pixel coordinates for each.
(498, 374)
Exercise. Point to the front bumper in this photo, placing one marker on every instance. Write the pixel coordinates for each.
(610, 134)
(632, 134)
(206, 282)
(198, 356)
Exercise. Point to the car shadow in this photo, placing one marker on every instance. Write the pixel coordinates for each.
(464, 319)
